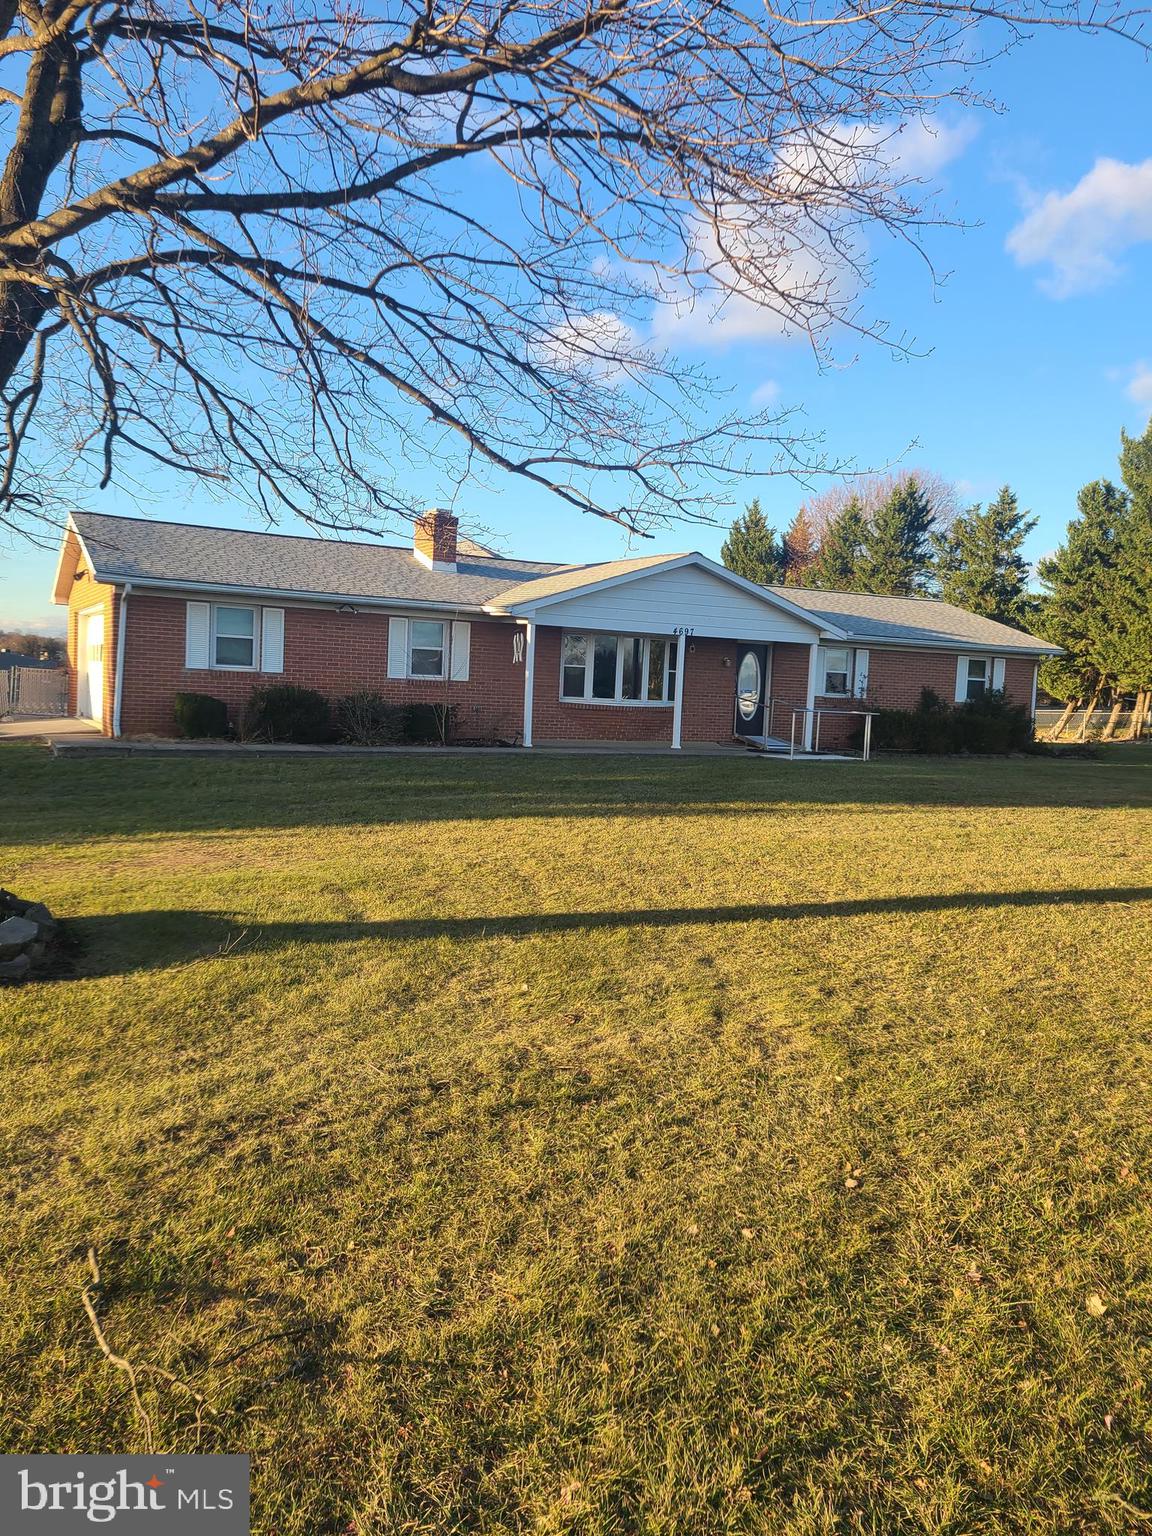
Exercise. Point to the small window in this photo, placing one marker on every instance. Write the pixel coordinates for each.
(978, 668)
(575, 663)
(837, 672)
(235, 637)
(426, 648)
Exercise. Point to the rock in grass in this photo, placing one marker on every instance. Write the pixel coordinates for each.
(15, 970)
(15, 932)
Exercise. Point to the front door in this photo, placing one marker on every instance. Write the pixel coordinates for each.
(751, 688)
(90, 670)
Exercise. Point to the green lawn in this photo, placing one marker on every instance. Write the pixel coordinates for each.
(592, 1145)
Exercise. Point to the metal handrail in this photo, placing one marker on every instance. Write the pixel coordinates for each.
(798, 711)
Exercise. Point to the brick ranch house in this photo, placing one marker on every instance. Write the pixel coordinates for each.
(667, 649)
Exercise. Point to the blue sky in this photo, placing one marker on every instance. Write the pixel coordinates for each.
(1037, 343)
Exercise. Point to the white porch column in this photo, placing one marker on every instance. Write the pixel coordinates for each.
(529, 677)
(813, 662)
(678, 693)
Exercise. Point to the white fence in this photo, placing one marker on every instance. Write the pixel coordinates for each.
(34, 691)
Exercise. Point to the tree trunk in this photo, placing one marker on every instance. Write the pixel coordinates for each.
(1113, 719)
(1082, 733)
(1069, 710)
(1139, 715)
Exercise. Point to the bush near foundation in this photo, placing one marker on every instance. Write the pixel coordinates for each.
(199, 715)
(367, 719)
(991, 726)
(429, 722)
(284, 712)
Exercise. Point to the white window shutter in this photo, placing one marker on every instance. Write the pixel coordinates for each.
(397, 647)
(961, 679)
(197, 636)
(272, 640)
(998, 673)
(461, 649)
(861, 674)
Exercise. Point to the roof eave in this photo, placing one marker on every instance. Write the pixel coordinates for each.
(957, 643)
(281, 594)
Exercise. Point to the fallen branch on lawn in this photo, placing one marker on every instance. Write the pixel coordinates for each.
(87, 1296)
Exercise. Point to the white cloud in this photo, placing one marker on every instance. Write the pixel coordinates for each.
(750, 280)
(1139, 386)
(765, 394)
(1081, 233)
(925, 146)
(599, 345)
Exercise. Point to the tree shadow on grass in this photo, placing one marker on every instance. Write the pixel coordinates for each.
(123, 942)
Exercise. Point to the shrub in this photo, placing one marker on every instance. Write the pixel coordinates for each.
(367, 719)
(990, 726)
(429, 722)
(283, 712)
(199, 714)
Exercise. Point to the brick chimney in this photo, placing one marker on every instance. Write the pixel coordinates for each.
(434, 542)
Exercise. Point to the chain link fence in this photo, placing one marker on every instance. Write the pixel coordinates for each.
(34, 691)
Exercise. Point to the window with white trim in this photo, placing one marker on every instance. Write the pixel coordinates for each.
(233, 637)
(616, 669)
(837, 668)
(979, 677)
(427, 648)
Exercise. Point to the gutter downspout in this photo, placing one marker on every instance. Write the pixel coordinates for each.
(118, 681)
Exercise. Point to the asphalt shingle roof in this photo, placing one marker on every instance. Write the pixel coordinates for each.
(918, 620)
(139, 550)
(568, 578)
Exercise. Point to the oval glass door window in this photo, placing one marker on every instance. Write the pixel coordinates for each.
(748, 685)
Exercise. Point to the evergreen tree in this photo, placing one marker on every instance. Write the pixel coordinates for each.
(1079, 582)
(1127, 649)
(978, 562)
(895, 558)
(753, 550)
(801, 547)
(837, 566)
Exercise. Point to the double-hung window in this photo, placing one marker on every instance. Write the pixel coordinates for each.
(617, 669)
(426, 648)
(979, 677)
(233, 637)
(837, 672)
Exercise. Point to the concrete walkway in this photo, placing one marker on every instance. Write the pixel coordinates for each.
(92, 744)
(49, 728)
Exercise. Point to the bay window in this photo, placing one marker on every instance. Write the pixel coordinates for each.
(617, 669)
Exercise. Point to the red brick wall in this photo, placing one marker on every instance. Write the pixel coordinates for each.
(87, 593)
(333, 652)
(897, 678)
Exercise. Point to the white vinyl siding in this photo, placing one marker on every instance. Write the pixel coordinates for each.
(687, 598)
